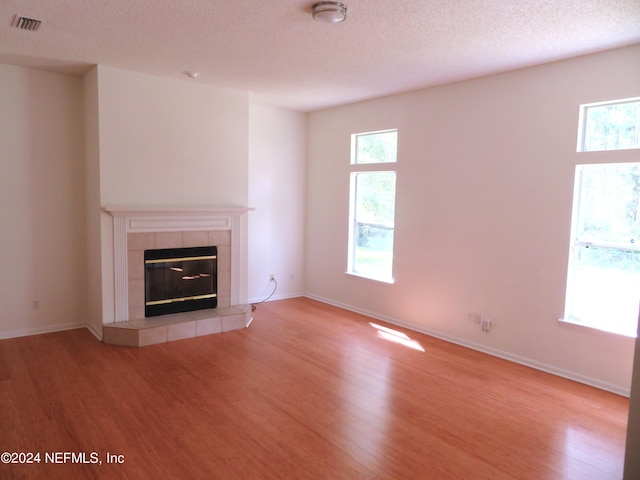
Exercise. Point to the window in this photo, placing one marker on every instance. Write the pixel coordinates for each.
(610, 126)
(372, 205)
(603, 282)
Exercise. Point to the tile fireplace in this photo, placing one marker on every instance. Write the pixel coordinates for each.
(137, 230)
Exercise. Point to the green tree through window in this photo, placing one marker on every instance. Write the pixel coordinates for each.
(611, 126)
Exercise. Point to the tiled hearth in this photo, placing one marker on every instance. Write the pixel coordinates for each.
(136, 230)
(178, 326)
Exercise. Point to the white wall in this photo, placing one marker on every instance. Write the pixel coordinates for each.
(277, 167)
(171, 142)
(484, 190)
(93, 282)
(42, 216)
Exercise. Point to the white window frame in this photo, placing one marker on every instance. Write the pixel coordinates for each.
(582, 123)
(355, 168)
(575, 243)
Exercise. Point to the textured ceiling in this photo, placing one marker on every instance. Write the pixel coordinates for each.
(274, 49)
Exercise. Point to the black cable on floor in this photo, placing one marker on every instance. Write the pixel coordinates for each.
(275, 287)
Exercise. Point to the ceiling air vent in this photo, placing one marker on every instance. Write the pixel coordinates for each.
(26, 23)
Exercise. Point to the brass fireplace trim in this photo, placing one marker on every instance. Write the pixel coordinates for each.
(181, 259)
(180, 299)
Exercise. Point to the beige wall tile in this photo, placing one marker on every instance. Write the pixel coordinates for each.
(137, 312)
(207, 326)
(224, 282)
(136, 293)
(220, 238)
(120, 336)
(224, 260)
(151, 336)
(141, 241)
(179, 331)
(233, 322)
(195, 239)
(169, 240)
(224, 300)
(135, 262)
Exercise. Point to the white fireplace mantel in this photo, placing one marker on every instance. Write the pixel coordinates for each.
(141, 219)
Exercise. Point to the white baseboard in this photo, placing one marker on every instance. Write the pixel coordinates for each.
(96, 333)
(593, 382)
(40, 330)
(254, 301)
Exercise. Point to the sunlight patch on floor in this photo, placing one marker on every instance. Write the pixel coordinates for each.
(397, 337)
(586, 454)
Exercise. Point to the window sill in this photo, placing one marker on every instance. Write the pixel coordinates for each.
(387, 281)
(598, 328)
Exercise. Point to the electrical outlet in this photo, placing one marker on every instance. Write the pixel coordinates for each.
(475, 318)
(485, 324)
(272, 277)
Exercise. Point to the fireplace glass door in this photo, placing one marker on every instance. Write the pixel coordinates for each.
(180, 280)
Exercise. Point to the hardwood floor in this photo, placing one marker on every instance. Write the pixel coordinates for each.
(309, 391)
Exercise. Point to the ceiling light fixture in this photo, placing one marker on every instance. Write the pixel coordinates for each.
(329, 12)
(192, 74)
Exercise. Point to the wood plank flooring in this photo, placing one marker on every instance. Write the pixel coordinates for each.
(308, 391)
